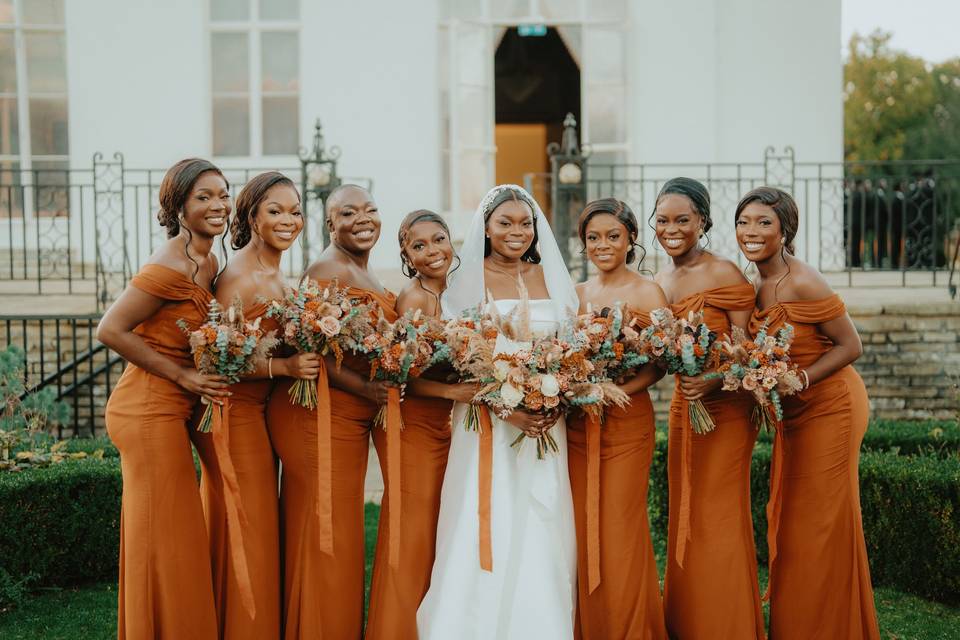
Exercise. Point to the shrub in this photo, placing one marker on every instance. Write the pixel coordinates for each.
(941, 437)
(60, 524)
(911, 516)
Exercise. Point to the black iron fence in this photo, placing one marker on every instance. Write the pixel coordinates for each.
(63, 353)
(87, 231)
(865, 223)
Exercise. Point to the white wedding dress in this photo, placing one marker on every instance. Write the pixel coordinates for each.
(531, 592)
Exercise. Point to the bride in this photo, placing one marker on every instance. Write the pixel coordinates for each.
(527, 589)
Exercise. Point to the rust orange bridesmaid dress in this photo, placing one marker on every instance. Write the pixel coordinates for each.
(166, 586)
(255, 544)
(710, 588)
(618, 585)
(398, 588)
(324, 462)
(819, 576)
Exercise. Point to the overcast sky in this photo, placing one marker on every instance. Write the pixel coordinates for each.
(929, 29)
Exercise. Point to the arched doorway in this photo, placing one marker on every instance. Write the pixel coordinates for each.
(536, 83)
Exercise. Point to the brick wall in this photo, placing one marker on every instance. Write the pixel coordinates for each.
(910, 362)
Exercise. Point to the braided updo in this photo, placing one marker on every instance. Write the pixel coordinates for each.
(695, 192)
(176, 187)
(249, 201)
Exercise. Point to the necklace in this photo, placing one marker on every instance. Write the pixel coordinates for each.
(518, 276)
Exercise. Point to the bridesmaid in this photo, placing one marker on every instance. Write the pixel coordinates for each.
(166, 587)
(618, 585)
(819, 576)
(711, 564)
(396, 592)
(324, 452)
(266, 223)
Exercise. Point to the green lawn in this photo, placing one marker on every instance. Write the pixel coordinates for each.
(89, 612)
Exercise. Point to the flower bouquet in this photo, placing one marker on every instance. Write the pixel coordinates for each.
(403, 349)
(471, 341)
(605, 348)
(228, 346)
(685, 346)
(320, 320)
(761, 366)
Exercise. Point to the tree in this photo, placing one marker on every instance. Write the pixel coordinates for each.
(896, 106)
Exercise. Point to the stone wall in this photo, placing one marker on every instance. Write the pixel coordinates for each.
(910, 362)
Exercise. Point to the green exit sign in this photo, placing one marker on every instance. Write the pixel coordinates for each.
(526, 30)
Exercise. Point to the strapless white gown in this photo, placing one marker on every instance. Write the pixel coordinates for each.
(531, 592)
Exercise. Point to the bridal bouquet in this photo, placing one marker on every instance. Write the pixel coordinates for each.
(403, 349)
(228, 346)
(320, 320)
(529, 380)
(761, 366)
(685, 346)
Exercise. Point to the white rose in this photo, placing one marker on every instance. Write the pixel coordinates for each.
(510, 395)
(500, 370)
(549, 386)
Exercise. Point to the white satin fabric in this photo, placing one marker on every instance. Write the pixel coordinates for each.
(531, 592)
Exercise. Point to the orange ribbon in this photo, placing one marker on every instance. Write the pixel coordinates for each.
(485, 487)
(775, 504)
(593, 500)
(686, 451)
(393, 423)
(324, 461)
(236, 516)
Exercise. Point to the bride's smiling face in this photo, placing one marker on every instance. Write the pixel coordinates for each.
(510, 229)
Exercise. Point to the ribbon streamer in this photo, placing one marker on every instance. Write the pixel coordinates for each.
(485, 487)
(593, 500)
(393, 423)
(324, 461)
(686, 451)
(236, 516)
(775, 504)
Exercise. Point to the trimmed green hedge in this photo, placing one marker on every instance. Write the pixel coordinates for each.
(940, 437)
(59, 525)
(911, 516)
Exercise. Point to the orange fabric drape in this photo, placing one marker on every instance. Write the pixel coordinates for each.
(815, 530)
(396, 591)
(166, 584)
(322, 591)
(626, 601)
(392, 424)
(247, 450)
(711, 557)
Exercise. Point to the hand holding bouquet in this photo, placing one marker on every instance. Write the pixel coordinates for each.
(761, 366)
(685, 346)
(403, 349)
(228, 346)
(471, 341)
(320, 320)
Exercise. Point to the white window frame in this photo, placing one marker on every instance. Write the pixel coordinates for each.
(18, 27)
(253, 27)
(25, 156)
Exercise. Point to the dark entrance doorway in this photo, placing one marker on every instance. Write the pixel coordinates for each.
(537, 82)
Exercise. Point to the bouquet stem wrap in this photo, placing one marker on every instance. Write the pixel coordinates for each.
(774, 506)
(324, 461)
(236, 516)
(393, 424)
(593, 500)
(485, 485)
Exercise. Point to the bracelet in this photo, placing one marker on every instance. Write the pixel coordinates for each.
(270, 367)
(806, 379)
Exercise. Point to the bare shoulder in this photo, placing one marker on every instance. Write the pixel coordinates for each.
(327, 268)
(806, 283)
(645, 293)
(171, 256)
(234, 283)
(413, 297)
(726, 273)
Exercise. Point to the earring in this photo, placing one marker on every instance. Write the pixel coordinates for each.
(783, 240)
(701, 233)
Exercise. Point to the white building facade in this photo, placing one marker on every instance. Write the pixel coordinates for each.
(406, 89)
